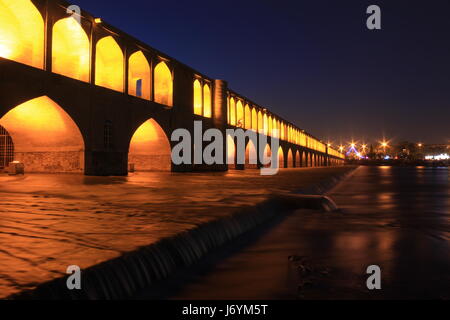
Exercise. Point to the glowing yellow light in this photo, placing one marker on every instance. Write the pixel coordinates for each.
(260, 122)
(21, 32)
(240, 114)
(248, 117)
(163, 84)
(139, 76)
(420, 145)
(207, 104)
(266, 124)
(41, 125)
(280, 158)
(254, 120)
(198, 108)
(150, 148)
(70, 50)
(109, 64)
(232, 112)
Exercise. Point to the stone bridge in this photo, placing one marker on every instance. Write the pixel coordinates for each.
(78, 95)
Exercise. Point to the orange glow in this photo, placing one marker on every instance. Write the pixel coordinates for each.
(207, 105)
(269, 128)
(254, 120)
(45, 137)
(198, 108)
(21, 32)
(232, 112)
(70, 50)
(139, 76)
(149, 148)
(248, 117)
(163, 85)
(280, 158)
(109, 65)
(260, 123)
(290, 160)
(265, 125)
(239, 114)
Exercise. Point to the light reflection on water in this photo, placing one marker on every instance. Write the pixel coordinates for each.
(48, 222)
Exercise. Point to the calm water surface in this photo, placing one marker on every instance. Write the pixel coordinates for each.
(396, 218)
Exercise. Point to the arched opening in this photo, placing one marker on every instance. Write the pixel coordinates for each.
(298, 160)
(109, 64)
(260, 122)
(281, 158)
(45, 137)
(198, 99)
(270, 127)
(163, 84)
(251, 156)
(248, 117)
(290, 159)
(231, 152)
(304, 160)
(254, 120)
(70, 50)
(6, 148)
(139, 76)
(240, 114)
(207, 101)
(21, 32)
(266, 125)
(232, 112)
(150, 148)
(267, 156)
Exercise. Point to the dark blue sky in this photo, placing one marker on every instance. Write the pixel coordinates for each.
(313, 62)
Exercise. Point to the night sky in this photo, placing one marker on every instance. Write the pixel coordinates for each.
(313, 62)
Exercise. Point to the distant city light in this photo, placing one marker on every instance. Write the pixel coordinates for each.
(440, 157)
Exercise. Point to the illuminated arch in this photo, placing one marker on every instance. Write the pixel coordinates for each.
(248, 117)
(150, 148)
(304, 159)
(290, 159)
(70, 50)
(265, 124)
(21, 32)
(240, 114)
(282, 135)
(298, 160)
(281, 158)
(207, 101)
(139, 76)
(267, 156)
(274, 128)
(232, 112)
(109, 64)
(260, 122)
(231, 152)
(45, 137)
(254, 120)
(163, 84)
(269, 128)
(228, 109)
(251, 156)
(198, 99)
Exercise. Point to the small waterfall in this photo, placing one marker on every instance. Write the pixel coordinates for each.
(125, 276)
